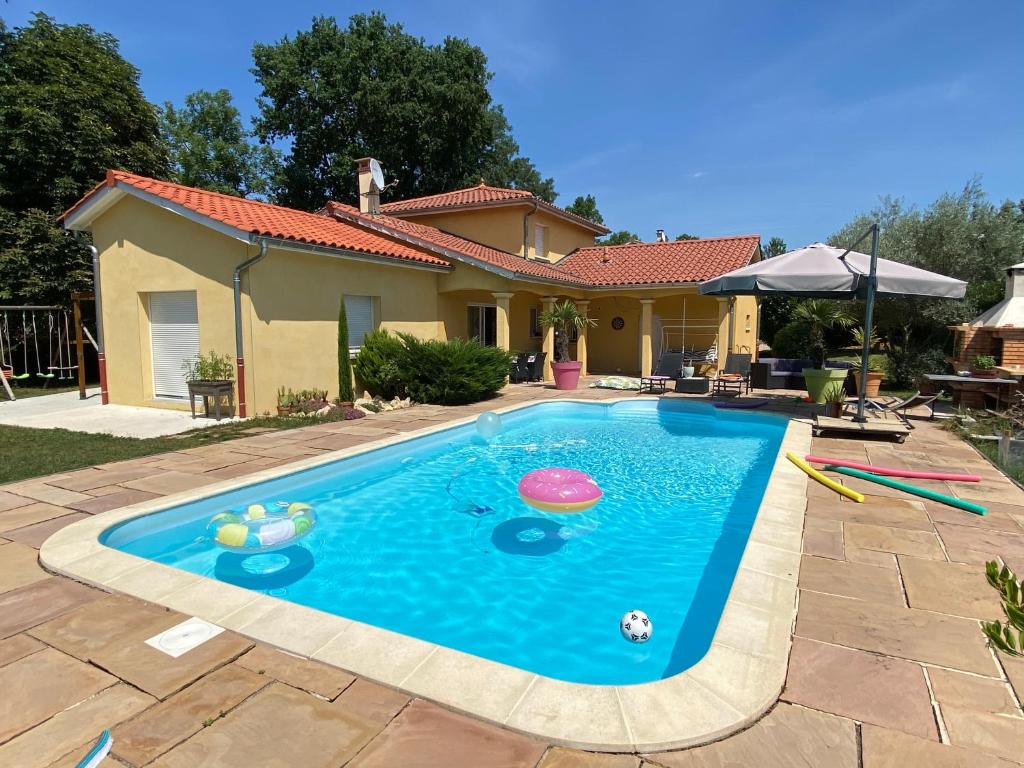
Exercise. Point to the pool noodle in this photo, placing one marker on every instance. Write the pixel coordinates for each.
(923, 492)
(827, 482)
(891, 472)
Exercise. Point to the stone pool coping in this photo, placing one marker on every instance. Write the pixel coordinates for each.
(737, 680)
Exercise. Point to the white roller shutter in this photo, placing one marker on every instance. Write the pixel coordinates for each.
(174, 335)
(359, 313)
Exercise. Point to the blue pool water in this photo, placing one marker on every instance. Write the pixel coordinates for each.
(429, 537)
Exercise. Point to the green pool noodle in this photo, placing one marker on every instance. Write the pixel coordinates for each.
(923, 492)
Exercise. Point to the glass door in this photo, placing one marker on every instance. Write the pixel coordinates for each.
(483, 323)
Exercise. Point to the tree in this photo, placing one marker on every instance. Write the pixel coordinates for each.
(774, 247)
(370, 89)
(344, 356)
(70, 108)
(210, 149)
(622, 237)
(776, 311)
(685, 236)
(819, 316)
(586, 207)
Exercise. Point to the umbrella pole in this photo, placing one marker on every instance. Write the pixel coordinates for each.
(869, 311)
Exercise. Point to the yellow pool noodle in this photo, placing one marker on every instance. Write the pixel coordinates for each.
(827, 482)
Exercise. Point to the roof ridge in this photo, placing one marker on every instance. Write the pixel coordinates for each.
(662, 243)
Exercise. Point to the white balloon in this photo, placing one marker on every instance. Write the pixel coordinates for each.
(488, 425)
(636, 627)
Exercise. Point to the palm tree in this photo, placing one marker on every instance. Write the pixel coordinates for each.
(563, 317)
(821, 315)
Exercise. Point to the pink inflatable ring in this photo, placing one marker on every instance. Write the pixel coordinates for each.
(556, 489)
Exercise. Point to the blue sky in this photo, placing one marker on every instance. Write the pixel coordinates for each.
(782, 118)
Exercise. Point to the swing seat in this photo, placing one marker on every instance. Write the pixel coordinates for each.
(62, 367)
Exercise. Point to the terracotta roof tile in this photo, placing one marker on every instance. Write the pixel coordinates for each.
(482, 195)
(268, 220)
(504, 260)
(677, 261)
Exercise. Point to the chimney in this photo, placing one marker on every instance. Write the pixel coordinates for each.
(659, 236)
(369, 194)
(1015, 281)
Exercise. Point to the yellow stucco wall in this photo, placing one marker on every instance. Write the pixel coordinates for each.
(289, 324)
(503, 228)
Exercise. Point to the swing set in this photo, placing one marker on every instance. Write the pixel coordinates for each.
(37, 328)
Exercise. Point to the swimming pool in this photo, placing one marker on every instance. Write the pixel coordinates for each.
(428, 537)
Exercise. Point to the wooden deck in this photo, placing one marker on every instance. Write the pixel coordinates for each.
(872, 426)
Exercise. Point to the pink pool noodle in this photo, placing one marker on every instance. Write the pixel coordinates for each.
(890, 472)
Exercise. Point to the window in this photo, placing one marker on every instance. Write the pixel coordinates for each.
(359, 311)
(174, 340)
(540, 245)
(536, 331)
(483, 323)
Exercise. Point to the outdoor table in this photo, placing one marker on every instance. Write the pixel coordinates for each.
(692, 385)
(974, 387)
(214, 390)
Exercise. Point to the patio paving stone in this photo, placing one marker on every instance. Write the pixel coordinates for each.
(371, 702)
(892, 513)
(427, 736)
(824, 543)
(34, 512)
(19, 566)
(885, 748)
(965, 591)
(560, 757)
(297, 672)
(972, 692)
(12, 501)
(91, 477)
(999, 517)
(34, 535)
(902, 632)
(80, 725)
(279, 727)
(1014, 668)
(334, 442)
(895, 540)
(871, 557)
(786, 737)
(23, 608)
(39, 686)
(40, 491)
(169, 482)
(112, 634)
(997, 735)
(863, 582)
(170, 722)
(859, 685)
(18, 647)
(122, 498)
(965, 544)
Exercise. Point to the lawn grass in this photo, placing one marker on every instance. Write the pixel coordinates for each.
(31, 452)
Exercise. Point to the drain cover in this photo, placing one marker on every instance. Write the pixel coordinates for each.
(183, 637)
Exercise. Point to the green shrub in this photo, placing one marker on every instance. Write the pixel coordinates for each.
(453, 372)
(209, 367)
(377, 364)
(792, 341)
(344, 357)
(904, 367)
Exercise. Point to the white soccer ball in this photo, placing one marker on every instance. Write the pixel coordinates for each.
(636, 626)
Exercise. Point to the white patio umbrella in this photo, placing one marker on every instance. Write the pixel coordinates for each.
(821, 271)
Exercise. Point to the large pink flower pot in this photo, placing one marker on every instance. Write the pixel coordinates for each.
(567, 375)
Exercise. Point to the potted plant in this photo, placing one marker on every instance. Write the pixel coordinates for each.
(563, 317)
(820, 315)
(983, 367)
(874, 379)
(834, 395)
(207, 376)
(285, 402)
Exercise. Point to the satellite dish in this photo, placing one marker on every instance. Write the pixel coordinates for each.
(376, 174)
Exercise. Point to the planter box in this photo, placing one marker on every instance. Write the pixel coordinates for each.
(224, 388)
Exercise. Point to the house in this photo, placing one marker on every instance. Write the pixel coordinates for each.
(183, 270)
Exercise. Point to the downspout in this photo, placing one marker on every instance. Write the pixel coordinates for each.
(526, 230)
(236, 281)
(732, 324)
(101, 349)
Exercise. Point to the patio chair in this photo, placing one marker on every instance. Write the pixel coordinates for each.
(899, 408)
(536, 366)
(520, 368)
(668, 368)
(735, 376)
